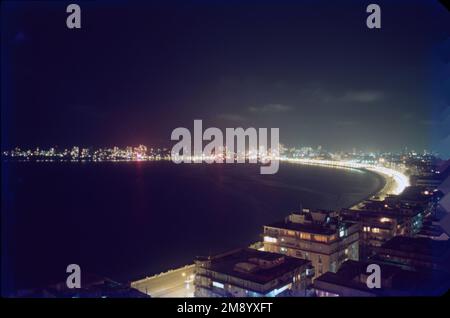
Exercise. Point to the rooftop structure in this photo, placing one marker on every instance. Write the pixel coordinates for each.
(249, 273)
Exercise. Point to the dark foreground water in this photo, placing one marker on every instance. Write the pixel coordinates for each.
(128, 220)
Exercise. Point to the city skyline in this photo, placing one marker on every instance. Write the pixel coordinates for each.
(140, 151)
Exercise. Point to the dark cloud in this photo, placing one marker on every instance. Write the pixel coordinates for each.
(362, 96)
(231, 117)
(270, 108)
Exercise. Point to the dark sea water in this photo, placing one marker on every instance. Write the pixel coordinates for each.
(129, 220)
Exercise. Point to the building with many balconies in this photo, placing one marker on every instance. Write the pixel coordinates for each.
(319, 236)
(380, 222)
(251, 273)
(416, 252)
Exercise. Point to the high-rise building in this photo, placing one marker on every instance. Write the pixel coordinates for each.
(416, 252)
(251, 273)
(351, 281)
(319, 236)
(379, 222)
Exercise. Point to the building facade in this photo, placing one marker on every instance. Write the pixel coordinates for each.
(317, 236)
(380, 221)
(252, 273)
(352, 281)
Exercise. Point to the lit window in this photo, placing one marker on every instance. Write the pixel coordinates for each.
(270, 239)
(277, 291)
(218, 285)
(305, 236)
(320, 238)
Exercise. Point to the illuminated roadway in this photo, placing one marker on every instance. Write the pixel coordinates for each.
(174, 283)
(179, 282)
(396, 181)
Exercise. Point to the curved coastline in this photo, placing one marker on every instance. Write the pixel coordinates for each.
(394, 182)
(383, 184)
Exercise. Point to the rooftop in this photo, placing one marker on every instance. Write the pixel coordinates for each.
(307, 228)
(377, 213)
(314, 222)
(255, 266)
(395, 280)
(418, 245)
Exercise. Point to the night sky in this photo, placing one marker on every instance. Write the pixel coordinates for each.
(137, 70)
